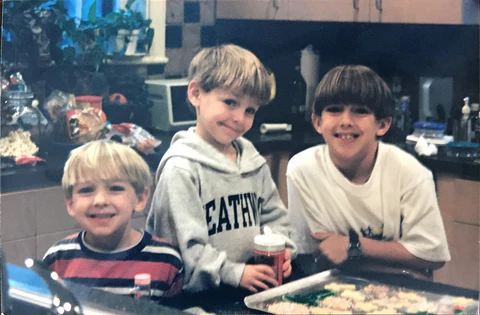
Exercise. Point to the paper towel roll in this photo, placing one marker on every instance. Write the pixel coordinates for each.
(309, 67)
(268, 128)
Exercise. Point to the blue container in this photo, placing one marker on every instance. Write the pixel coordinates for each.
(428, 129)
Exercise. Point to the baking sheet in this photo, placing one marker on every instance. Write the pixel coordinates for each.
(431, 290)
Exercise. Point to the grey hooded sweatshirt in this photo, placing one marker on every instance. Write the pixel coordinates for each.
(211, 208)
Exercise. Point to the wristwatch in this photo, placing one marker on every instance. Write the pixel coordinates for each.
(354, 250)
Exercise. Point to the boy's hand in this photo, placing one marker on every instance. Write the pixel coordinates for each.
(333, 246)
(256, 277)
(287, 264)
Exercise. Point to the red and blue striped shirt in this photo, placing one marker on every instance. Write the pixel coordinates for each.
(115, 271)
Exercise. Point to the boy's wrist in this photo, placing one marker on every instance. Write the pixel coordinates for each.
(354, 250)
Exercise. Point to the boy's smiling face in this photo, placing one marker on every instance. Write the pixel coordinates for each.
(350, 132)
(104, 209)
(222, 116)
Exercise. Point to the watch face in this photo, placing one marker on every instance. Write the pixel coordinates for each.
(354, 252)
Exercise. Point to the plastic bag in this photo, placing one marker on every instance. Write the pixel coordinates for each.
(57, 104)
(85, 125)
(134, 136)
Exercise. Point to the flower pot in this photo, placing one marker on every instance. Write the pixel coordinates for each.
(125, 39)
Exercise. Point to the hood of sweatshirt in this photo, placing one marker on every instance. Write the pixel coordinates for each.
(188, 145)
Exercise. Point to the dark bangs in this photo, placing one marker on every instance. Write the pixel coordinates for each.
(354, 85)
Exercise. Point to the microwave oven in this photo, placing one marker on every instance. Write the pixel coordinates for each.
(171, 109)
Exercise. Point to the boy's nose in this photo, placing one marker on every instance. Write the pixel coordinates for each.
(238, 116)
(346, 118)
(100, 198)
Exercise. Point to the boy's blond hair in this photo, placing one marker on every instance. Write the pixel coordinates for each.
(233, 67)
(105, 160)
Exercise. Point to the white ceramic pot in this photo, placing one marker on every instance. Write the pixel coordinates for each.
(124, 37)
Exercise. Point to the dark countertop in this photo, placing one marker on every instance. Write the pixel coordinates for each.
(222, 301)
(49, 173)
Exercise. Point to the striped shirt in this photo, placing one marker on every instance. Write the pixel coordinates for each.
(115, 271)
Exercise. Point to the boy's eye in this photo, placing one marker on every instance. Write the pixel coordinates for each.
(251, 111)
(334, 109)
(85, 190)
(230, 102)
(117, 188)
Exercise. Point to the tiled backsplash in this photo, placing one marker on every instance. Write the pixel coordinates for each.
(190, 26)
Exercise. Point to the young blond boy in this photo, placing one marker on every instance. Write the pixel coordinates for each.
(104, 184)
(355, 200)
(214, 190)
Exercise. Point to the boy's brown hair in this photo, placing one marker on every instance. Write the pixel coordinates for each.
(106, 160)
(231, 66)
(354, 85)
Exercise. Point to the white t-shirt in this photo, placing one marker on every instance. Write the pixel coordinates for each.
(398, 202)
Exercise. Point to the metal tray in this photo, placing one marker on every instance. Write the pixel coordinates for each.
(431, 290)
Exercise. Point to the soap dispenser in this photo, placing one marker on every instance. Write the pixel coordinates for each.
(464, 129)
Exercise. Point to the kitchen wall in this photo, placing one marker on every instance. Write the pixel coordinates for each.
(190, 26)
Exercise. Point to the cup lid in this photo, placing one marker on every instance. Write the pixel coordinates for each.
(269, 242)
(142, 278)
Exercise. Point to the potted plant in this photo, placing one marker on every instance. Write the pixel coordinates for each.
(123, 29)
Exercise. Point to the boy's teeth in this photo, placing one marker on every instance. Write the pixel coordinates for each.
(102, 216)
(346, 137)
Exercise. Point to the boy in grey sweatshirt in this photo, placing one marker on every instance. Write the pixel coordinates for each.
(214, 190)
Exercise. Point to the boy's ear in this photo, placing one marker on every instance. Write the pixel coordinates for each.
(69, 204)
(142, 199)
(194, 91)
(317, 122)
(385, 124)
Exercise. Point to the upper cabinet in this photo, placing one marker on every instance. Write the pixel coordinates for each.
(376, 11)
(252, 9)
(329, 10)
(424, 11)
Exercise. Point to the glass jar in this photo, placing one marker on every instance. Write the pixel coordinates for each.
(18, 113)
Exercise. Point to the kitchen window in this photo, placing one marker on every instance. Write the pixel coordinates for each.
(151, 9)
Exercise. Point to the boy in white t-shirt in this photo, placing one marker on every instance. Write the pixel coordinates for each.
(357, 202)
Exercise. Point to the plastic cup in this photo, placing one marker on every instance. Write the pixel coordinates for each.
(270, 250)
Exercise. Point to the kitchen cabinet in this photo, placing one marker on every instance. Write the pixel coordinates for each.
(329, 10)
(375, 11)
(424, 11)
(459, 202)
(252, 9)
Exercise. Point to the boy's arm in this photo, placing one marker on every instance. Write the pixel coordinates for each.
(273, 212)
(422, 244)
(177, 214)
(374, 253)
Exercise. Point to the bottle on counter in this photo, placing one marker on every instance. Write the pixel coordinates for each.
(141, 289)
(464, 129)
(474, 119)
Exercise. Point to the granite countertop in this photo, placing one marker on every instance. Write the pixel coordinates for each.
(49, 173)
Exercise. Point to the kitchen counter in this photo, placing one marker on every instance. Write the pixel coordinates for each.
(225, 300)
(49, 173)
